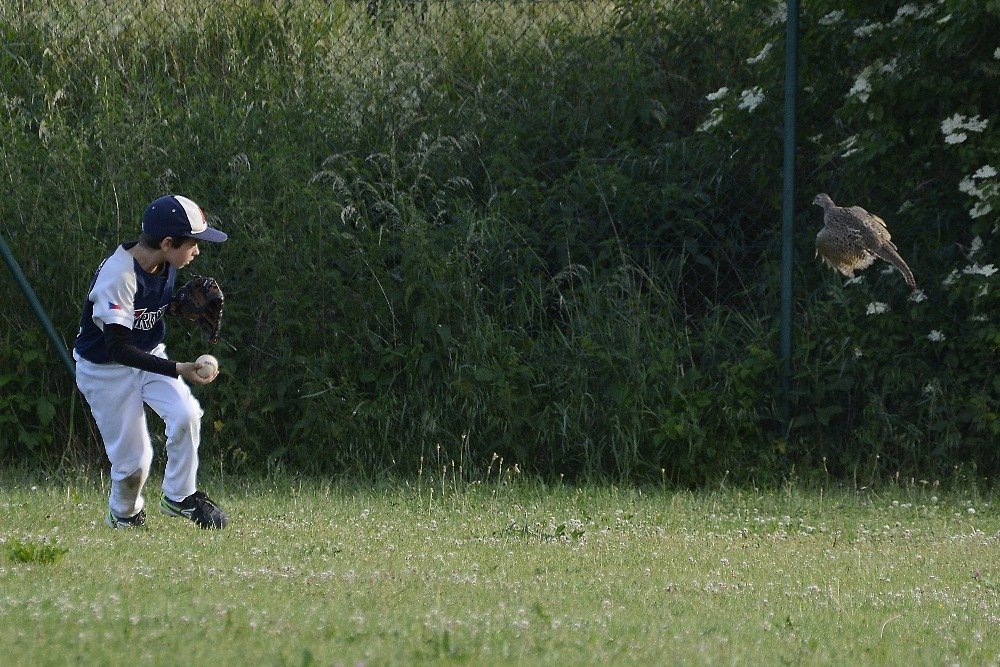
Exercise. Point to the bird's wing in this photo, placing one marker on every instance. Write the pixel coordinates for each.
(878, 220)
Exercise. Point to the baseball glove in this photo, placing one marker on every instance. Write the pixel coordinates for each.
(200, 300)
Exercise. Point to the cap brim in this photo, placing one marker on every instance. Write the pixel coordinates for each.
(210, 234)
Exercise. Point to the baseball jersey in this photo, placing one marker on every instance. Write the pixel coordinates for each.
(124, 293)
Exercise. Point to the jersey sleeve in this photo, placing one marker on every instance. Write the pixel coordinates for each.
(113, 296)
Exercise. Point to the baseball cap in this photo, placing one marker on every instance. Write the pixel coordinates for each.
(174, 215)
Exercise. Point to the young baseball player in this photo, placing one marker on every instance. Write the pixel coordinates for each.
(122, 364)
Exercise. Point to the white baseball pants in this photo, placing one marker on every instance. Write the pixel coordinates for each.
(116, 395)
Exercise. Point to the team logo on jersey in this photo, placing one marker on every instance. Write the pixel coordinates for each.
(146, 319)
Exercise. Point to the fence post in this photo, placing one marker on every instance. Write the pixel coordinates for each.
(788, 208)
(36, 306)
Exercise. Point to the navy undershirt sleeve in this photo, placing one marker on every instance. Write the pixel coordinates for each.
(118, 338)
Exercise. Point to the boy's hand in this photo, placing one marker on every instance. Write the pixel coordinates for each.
(189, 371)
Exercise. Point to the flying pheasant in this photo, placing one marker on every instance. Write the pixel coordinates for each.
(852, 238)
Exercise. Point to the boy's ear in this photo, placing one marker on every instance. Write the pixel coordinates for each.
(166, 242)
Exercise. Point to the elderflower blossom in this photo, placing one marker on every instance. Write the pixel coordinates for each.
(955, 127)
(862, 88)
(867, 29)
(751, 98)
(975, 269)
(980, 209)
(760, 56)
(986, 171)
(975, 246)
(935, 336)
(967, 186)
(779, 14)
(877, 308)
(848, 146)
(835, 16)
(918, 295)
(714, 118)
(717, 95)
(908, 9)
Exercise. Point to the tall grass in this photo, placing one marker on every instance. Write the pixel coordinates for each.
(486, 229)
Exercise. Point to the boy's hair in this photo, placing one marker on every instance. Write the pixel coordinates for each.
(153, 242)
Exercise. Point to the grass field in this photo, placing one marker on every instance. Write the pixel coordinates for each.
(328, 573)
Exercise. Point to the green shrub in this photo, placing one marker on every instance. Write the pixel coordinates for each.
(535, 232)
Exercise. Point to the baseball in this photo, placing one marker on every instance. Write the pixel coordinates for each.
(210, 365)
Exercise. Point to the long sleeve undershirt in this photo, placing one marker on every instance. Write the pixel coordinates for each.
(118, 338)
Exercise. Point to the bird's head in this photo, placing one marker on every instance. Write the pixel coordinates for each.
(823, 199)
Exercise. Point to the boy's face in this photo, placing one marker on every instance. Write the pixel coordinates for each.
(182, 256)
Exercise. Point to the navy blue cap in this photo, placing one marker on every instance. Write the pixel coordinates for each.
(173, 215)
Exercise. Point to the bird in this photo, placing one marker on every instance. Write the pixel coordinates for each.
(852, 238)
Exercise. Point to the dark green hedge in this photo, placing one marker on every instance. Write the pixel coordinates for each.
(536, 232)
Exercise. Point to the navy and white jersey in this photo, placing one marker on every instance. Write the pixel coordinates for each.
(124, 293)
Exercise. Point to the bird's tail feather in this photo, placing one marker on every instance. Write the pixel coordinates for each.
(889, 254)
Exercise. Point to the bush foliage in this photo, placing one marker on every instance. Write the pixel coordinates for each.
(545, 233)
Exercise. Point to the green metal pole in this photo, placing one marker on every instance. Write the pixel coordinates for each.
(36, 306)
(788, 208)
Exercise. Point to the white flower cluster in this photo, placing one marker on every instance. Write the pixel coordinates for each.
(954, 128)
(983, 186)
(714, 118)
(868, 29)
(717, 95)
(910, 9)
(751, 98)
(935, 336)
(760, 56)
(779, 14)
(877, 308)
(848, 146)
(862, 87)
(835, 16)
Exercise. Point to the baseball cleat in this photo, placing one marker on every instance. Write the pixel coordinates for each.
(198, 508)
(137, 521)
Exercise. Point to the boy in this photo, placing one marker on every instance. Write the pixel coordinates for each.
(122, 363)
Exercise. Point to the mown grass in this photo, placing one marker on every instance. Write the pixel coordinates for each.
(492, 573)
